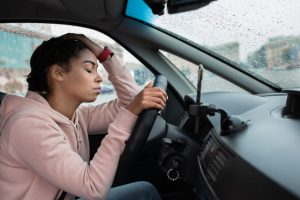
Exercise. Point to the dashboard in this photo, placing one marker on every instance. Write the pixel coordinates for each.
(258, 162)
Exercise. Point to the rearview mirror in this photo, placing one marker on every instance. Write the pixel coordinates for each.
(175, 6)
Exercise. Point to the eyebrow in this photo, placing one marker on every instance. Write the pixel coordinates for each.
(91, 62)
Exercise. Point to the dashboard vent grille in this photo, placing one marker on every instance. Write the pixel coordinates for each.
(214, 160)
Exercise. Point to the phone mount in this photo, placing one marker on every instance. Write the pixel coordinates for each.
(229, 123)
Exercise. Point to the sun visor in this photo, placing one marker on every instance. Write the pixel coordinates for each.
(101, 13)
(95, 9)
(88, 9)
(114, 8)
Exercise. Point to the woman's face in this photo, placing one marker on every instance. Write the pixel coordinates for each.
(82, 81)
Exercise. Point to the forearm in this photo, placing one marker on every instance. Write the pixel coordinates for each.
(126, 87)
(51, 157)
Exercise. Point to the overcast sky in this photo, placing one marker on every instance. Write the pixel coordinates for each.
(250, 22)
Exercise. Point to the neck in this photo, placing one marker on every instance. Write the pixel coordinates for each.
(63, 104)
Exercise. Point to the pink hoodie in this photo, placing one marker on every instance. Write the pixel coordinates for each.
(42, 151)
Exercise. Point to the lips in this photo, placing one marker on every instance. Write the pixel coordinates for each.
(98, 89)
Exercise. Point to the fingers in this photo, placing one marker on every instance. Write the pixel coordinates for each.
(73, 36)
(157, 92)
(154, 102)
(149, 85)
(89, 43)
(163, 93)
(149, 97)
(146, 102)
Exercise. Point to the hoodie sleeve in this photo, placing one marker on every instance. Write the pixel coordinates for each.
(100, 116)
(43, 150)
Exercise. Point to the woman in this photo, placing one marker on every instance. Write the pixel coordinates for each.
(44, 147)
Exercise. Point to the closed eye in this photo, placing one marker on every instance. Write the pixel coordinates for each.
(91, 66)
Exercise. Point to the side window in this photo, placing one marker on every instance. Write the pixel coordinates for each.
(18, 41)
(211, 82)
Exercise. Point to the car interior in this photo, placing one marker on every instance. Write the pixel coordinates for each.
(220, 144)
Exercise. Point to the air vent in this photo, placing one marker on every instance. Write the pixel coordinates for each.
(214, 160)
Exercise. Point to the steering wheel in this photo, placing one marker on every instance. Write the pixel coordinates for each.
(142, 128)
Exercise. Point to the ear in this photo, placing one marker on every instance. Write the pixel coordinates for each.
(56, 72)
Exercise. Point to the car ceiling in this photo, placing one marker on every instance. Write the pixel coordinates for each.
(103, 14)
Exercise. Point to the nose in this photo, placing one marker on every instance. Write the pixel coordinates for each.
(98, 78)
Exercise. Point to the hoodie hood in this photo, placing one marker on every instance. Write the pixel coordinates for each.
(32, 102)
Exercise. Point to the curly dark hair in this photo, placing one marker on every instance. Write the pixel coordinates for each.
(54, 51)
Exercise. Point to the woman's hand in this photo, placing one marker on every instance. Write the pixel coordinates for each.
(149, 97)
(96, 49)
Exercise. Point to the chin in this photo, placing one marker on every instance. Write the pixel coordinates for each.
(89, 100)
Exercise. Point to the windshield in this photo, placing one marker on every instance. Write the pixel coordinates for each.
(262, 37)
